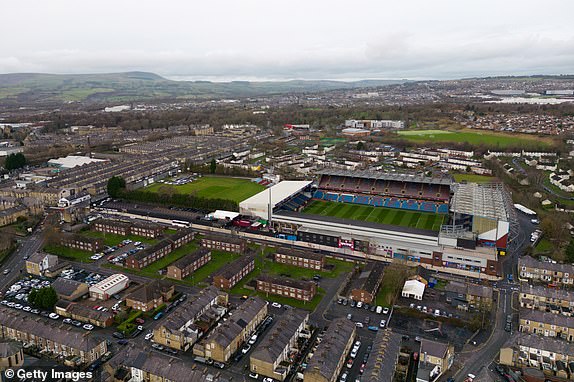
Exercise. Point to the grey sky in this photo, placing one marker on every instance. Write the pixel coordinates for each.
(267, 39)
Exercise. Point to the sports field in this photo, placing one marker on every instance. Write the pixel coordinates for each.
(391, 216)
(486, 138)
(214, 187)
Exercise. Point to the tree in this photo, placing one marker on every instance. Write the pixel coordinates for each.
(116, 184)
(15, 161)
(570, 251)
(212, 166)
(44, 298)
(360, 146)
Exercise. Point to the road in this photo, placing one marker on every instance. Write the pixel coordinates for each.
(16, 262)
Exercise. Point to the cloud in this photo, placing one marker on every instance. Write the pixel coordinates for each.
(297, 39)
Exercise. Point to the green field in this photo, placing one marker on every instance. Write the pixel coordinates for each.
(69, 253)
(489, 139)
(391, 216)
(111, 239)
(473, 178)
(213, 187)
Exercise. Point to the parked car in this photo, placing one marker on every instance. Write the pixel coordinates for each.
(118, 335)
(88, 326)
(246, 349)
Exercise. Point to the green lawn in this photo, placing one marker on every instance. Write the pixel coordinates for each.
(69, 253)
(235, 189)
(392, 216)
(493, 140)
(543, 246)
(218, 260)
(111, 239)
(474, 178)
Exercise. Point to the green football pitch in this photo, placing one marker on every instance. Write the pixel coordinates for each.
(214, 187)
(391, 216)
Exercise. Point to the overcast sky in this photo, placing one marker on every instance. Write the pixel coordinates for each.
(272, 39)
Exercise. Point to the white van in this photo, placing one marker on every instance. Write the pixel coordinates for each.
(379, 309)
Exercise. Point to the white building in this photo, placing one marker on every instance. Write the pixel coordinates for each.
(109, 286)
(413, 289)
(258, 205)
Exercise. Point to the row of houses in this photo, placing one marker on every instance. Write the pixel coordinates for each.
(287, 287)
(56, 338)
(159, 250)
(546, 272)
(122, 228)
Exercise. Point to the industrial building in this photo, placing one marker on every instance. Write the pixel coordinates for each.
(109, 286)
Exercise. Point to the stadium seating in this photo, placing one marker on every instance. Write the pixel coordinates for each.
(331, 196)
(318, 194)
(361, 199)
(345, 198)
(428, 206)
(442, 208)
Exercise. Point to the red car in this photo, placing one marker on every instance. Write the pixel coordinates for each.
(140, 321)
(362, 369)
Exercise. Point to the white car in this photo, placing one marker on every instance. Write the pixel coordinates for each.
(54, 316)
(88, 326)
(253, 339)
(148, 336)
(386, 310)
(276, 305)
(360, 304)
(359, 324)
(382, 323)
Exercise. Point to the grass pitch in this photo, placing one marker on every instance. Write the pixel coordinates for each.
(213, 187)
(490, 139)
(391, 216)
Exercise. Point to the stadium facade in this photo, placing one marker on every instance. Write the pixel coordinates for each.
(474, 236)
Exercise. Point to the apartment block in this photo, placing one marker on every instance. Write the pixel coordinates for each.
(80, 242)
(229, 275)
(224, 243)
(188, 264)
(286, 287)
(369, 282)
(302, 259)
(149, 255)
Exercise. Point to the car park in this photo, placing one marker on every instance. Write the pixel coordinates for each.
(148, 336)
(67, 321)
(359, 324)
(54, 316)
(123, 342)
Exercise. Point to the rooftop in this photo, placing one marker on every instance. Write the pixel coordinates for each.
(382, 361)
(224, 334)
(490, 200)
(330, 350)
(187, 260)
(66, 287)
(190, 310)
(275, 342)
(279, 192)
(57, 332)
(233, 268)
(371, 276)
(546, 318)
(286, 281)
(150, 291)
(550, 344)
(366, 174)
(530, 262)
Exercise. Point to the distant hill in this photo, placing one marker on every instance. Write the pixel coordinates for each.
(25, 88)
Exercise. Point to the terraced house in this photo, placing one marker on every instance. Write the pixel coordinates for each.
(227, 338)
(192, 319)
(545, 272)
(557, 301)
(384, 357)
(302, 259)
(329, 358)
(468, 295)
(188, 264)
(550, 354)
(547, 324)
(271, 358)
(67, 341)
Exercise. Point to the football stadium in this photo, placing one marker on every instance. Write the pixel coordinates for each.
(432, 221)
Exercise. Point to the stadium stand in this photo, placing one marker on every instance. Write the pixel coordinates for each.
(386, 190)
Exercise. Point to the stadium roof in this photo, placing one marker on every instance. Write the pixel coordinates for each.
(279, 192)
(389, 176)
(72, 161)
(490, 200)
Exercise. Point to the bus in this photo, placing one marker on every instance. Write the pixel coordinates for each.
(180, 223)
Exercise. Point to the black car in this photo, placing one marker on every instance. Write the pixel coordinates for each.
(170, 351)
(373, 308)
(367, 306)
(219, 365)
(95, 365)
(123, 342)
(118, 335)
(500, 370)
